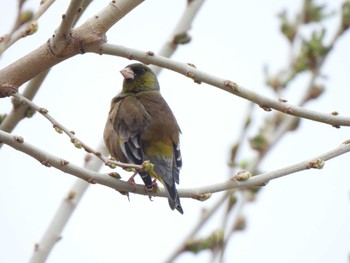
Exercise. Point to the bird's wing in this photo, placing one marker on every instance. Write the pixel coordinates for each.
(177, 163)
(130, 120)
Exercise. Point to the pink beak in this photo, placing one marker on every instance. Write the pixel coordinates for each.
(127, 73)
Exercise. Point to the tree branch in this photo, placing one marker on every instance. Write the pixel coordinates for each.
(198, 76)
(25, 29)
(208, 213)
(50, 160)
(19, 110)
(65, 210)
(71, 134)
(199, 193)
(63, 31)
(180, 33)
(91, 33)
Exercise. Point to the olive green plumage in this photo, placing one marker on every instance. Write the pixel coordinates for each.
(141, 127)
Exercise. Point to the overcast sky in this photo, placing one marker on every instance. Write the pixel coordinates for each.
(299, 218)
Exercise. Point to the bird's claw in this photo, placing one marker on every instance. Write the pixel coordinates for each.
(131, 180)
(155, 185)
(149, 190)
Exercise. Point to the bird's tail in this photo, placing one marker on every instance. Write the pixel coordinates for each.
(164, 174)
(147, 180)
(173, 197)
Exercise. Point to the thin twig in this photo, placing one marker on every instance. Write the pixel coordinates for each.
(71, 134)
(19, 111)
(24, 30)
(201, 222)
(237, 214)
(44, 5)
(180, 33)
(64, 30)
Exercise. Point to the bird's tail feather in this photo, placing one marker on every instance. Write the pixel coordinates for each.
(173, 197)
(164, 172)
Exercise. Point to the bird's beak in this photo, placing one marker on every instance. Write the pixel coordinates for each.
(127, 73)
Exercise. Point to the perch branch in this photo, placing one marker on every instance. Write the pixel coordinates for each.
(198, 76)
(47, 159)
(74, 139)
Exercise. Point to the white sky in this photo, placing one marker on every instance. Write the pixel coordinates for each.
(299, 218)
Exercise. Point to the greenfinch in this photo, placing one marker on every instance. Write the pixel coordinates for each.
(141, 127)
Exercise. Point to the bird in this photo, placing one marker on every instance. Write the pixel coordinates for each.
(141, 127)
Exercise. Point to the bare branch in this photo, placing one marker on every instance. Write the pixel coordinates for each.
(19, 111)
(49, 160)
(27, 28)
(44, 5)
(74, 139)
(68, 19)
(180, 33)
(91, 33)
(67, 207)
(201, 222)
(198, 76)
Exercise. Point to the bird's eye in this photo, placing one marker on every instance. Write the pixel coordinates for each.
(139, 71)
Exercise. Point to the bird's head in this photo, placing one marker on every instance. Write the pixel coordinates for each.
(138, 77)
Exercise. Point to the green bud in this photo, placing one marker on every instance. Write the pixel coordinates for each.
(29, 113)
(2, 117)
(231, 202)
(242, 176)
(58, 129)
(274, 82)
(295, 125)
(111, 165)
(315, 92)
(259, 143)
(345, 22)
(287, 28)
(265, 108)
(2, 38)
(233, 154)
(313, 12)
(182, 38)
(211, 242)
(32, 28)
(77, 144)
(26, 16)
(244, 164)
(202, 197)
(316, 164)
(241, 223)
(311, 53)
(115, 175)
(71, 195)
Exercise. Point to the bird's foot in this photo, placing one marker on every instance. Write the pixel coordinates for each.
(155, 185)
(131, 180)
(149, 190)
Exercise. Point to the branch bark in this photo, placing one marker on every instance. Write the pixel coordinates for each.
(199, 193)
(198, 76)
(90, 35)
